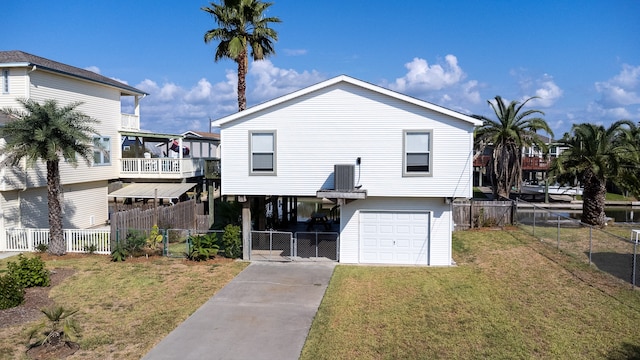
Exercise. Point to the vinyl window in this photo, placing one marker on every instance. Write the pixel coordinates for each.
(263, 152)
(417, 159)
(101, 150)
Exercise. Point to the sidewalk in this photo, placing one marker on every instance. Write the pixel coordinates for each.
(263, 313)
(6, 254)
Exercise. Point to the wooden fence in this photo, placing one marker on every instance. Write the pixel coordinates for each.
(184, 215)
(471, 214)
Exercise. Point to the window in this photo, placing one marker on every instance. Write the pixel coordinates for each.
(5, 81)
(417, 153)
(101, 151)
(263, 152)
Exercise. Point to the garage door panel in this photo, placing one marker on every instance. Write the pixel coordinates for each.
(394, 237)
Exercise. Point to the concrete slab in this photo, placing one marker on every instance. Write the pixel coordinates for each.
(264, 313)
(6, 254)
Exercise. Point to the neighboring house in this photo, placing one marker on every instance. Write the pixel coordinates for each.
(23, 192)
(535, 164)
(406, 159)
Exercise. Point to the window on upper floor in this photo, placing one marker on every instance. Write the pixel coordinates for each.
(101, 150)
(417, 153)
(262, 152)
(5, 81)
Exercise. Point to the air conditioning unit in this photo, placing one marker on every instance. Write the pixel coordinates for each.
(343, 178)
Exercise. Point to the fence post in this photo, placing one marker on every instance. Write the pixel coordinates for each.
(471, 214)
(590, 242)
(633, 271)
(558, 232)
(316, 244)
(534, 220)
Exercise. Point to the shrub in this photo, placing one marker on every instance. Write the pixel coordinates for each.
(29, 272)
(42, 248)
(11, 294)
(119, 253)
(90, 249)
(135, 242)
(202, 247)
(155, 238)
(231, 241)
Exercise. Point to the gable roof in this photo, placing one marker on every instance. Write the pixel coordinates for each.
(352, 81)
(15, 58)
(191, 134)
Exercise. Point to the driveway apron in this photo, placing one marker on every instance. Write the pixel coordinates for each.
(263, 313)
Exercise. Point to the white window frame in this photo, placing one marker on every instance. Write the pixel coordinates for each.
(252, 152)
(99, 152)
(5, 80)
(406, 151)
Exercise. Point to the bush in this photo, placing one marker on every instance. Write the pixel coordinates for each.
(119, 253)
(11, 294)
(231, 241)
(135, 243)
(42, 248)
(202, 247)
(29, 272)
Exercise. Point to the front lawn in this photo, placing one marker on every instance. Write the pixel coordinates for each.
(510, 297)
(125, 308)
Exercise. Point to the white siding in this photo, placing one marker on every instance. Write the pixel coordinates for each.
(99, 102)
(338, 124)
(18, 87)
(81, 203)
(440, 231)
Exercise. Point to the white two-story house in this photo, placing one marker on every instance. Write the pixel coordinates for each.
(23, 193)
(401, 161)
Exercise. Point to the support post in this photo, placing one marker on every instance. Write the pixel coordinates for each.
(246, 230)
(211, 200)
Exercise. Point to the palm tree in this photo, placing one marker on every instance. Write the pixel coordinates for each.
(513, 130)
(48, 132)
(242, 23)
(595, 155)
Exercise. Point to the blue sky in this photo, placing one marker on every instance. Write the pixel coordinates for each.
(581, 57)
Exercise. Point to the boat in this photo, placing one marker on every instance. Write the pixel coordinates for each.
(532, 188)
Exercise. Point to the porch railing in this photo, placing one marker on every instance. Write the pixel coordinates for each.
(77, 240)
(129, 122)
(164, 167)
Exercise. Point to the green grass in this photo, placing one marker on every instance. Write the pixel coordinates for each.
(126, 308)
(510, 297)
(477, 194)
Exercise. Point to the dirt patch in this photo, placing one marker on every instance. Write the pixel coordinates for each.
(35, 298)
(60, 351)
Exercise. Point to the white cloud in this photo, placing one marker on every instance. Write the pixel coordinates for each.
(270, 82)
(94, 69)
(422, 77)
(547, 91)
(622, 89)
(295, 52)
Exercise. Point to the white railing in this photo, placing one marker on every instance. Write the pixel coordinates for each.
(77, 240)
(129, 122)
(172, 168)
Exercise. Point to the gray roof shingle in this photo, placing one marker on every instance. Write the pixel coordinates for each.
(16, 56)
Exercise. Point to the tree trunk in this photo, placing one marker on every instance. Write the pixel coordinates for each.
(593, 198)
(56, 237)
(242, 80)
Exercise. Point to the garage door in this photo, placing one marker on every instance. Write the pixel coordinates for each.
(394, 237)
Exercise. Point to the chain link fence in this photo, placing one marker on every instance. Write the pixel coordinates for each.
(612, 249)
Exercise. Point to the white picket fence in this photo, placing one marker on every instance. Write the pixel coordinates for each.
(77, 240)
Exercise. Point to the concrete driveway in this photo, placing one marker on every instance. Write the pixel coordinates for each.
(263, 313)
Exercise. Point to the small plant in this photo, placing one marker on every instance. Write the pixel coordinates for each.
(119, 253)
(29, 272)
(154, 240)
(42, 248)
(11, 293)
(231, 242)
(90, 249)
(57, 328)
(135, 242)
(202, 247)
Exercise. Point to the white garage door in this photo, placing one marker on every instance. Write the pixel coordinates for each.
(394, 237)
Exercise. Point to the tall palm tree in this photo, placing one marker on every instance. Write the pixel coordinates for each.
(48, 132)
(596, 155)
(242, 24)
(514, 129)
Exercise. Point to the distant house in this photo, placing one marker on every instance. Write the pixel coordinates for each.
(392, 163)
(23, 193)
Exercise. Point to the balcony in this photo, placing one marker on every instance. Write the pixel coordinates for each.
(534, 163)
(129, 122)
(161, 168)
